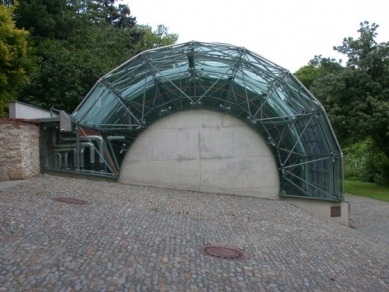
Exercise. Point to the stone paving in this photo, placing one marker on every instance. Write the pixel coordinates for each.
(133, 238)
(370, 217)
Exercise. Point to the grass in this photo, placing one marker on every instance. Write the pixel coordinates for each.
(369, 190)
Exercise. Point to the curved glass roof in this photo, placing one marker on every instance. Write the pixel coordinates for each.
(231, 79)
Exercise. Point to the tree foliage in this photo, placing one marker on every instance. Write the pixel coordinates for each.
(76, 42)
(356, 96)
(69, 70)
(365, 162)
(14, 58)
(317, 68)
(158, 38)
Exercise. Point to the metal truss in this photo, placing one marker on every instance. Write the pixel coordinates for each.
(231, 79)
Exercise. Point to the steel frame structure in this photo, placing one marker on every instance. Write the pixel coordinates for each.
(226, 78)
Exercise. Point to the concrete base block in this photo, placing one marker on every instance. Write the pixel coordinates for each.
(335, 211)
(202, 150)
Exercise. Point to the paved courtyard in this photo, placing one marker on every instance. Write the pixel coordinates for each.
(132, 238)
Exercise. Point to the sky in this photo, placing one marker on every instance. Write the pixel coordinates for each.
(286, 32)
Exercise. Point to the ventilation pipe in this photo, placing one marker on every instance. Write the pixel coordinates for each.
(59, 157)
(100, 143)
(83, 145)
(91, 155)
(65, 156)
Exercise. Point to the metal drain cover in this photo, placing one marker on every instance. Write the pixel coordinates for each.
(71, 201)
(222, 252)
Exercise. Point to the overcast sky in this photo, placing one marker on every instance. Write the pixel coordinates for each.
(287, 32)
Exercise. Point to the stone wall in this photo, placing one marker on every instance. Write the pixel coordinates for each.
(19, 149)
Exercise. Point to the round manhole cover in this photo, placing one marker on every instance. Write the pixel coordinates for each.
(222, 252)
(71, 201)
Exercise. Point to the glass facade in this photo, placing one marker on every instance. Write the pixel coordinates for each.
(213, 76)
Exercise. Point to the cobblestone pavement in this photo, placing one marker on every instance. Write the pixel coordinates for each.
(133, 238)
(370, 217)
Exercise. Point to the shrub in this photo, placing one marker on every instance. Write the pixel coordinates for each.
(364, 162)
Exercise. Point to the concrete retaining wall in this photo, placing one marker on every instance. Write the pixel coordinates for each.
(19, 149)
(204, 151)
(322, 209)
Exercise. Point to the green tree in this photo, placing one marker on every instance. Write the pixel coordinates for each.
(365, 162)
(14, 58)
(154, 39)
(368, 81)
(46, 19)
(77, 42)
(317, 68)
(356, 96)
(68, 70)
(59, 19)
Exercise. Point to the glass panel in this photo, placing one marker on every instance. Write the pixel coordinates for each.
(224, 78)
(105, 104)
(90, 101)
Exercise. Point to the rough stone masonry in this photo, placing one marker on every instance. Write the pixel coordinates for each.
(19, 149)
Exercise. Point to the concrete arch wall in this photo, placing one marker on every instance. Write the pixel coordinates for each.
(202, 150)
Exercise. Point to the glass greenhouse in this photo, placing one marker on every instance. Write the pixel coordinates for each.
(214, 76)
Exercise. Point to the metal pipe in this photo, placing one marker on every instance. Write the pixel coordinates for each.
(98, 139)
(78, 146)
(82, 150)
(83, 144)
(66, 150)
(82, 160)
(59, 155)
(56, 145)
(111, 138)
(91, 154)
(100, 142)
(65, 160)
